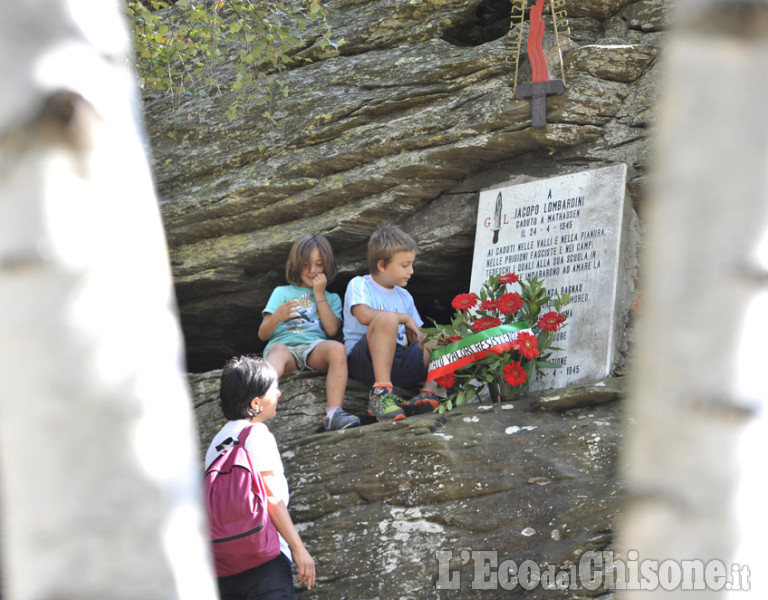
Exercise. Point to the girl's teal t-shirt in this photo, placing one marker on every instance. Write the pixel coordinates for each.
(306, 327)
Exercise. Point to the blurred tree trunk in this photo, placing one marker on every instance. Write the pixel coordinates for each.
(99, 473)
(699, 388)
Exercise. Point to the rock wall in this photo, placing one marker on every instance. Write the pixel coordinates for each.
(404, 123)
(535, 480)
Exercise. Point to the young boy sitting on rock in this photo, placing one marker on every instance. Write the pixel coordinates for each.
(382, 332)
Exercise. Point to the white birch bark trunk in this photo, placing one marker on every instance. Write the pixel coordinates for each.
(100, 480)
(699, 384)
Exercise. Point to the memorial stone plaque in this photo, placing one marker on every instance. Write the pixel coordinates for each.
(568, 231)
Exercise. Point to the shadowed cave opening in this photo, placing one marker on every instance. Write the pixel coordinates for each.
(488, 22)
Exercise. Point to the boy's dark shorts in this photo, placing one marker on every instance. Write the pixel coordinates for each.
(408, 369)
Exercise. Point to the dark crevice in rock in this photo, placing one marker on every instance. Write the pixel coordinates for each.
(489, 22)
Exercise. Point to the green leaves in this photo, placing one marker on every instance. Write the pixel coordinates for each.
(534, 297)
(181, 48)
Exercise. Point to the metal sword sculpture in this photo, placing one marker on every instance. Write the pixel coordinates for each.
(541, 85)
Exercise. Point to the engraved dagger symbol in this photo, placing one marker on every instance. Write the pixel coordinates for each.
(497, 219)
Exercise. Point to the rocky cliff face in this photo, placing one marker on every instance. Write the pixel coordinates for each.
(534, 480)
(405, 123)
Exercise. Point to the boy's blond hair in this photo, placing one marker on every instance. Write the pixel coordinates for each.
(385, 243)
(298, 258)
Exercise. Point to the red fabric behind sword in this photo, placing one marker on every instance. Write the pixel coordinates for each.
(534, 44)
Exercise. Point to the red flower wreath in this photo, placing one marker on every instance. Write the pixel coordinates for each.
(488, 305)
(527, 345)
(464, 301)
(484, 323)
(514, 374)
(551, 321)
(510, 303)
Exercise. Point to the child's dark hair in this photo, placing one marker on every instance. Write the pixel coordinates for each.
(385, 243)
(298, 258)
(243, 379)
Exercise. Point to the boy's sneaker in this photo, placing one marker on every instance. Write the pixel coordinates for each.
(424, 402)
(383, 405)
(340, 420)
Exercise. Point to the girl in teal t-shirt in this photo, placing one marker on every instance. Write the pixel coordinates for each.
(300, 318)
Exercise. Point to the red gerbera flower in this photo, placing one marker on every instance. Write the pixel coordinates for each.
(464, 301)
(484, 323)
(514, 374)
(446, 380)
(510, 303)
(509, 278)
(451, 340)
(488, 305)
(527, 345)
(551, 321)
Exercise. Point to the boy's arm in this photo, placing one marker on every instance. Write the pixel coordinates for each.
(365, 314)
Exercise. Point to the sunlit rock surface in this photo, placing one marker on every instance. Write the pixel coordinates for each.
(375, 503)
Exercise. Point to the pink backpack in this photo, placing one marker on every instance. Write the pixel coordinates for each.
(242, 534)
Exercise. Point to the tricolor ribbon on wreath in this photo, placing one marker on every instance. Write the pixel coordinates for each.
(447, 359)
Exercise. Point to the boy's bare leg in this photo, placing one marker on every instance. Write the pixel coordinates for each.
(429, 385)
(331, 356)
(280, 358)
(382, 341)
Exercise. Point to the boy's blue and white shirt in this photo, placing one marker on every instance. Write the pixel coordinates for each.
(364, 290)
(306, 327)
